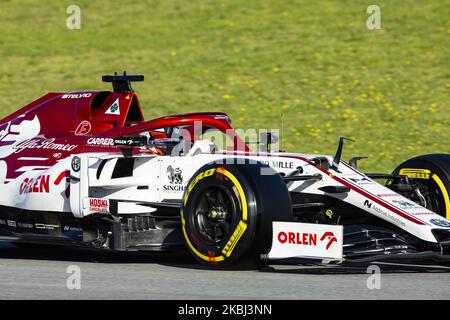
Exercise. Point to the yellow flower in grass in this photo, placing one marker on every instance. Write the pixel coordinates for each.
(227, 97)
(432, 108)
(314, 132)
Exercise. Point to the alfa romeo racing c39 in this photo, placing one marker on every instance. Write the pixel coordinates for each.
(86, 169)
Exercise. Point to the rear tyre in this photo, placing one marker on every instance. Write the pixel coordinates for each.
(431, 175)
(227, 213)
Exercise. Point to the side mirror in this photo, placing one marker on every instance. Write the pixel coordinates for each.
(266, 139)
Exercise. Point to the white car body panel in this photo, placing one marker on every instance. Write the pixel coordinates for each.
(151, 172)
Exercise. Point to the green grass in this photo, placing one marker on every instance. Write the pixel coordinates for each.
(313, 61)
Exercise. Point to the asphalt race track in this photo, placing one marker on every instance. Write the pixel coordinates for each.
(42, 274)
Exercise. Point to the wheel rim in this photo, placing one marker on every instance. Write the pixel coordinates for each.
(215, 210)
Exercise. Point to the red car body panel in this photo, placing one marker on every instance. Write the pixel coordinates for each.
(69, 120)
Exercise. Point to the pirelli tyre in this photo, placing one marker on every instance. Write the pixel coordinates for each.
(227, 213)
(431, 175)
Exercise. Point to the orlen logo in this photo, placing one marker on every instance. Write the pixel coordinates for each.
(295, 239)
(36, 185)
(330, 237)
(306, 239)
(41, 184)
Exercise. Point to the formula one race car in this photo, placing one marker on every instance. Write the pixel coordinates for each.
(85, 169)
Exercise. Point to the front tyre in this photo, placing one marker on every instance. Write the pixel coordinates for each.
(227, 213)
(430, 174)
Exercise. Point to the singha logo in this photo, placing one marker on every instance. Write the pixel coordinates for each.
(174, 175)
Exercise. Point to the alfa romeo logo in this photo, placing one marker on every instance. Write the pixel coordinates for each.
(76, 164)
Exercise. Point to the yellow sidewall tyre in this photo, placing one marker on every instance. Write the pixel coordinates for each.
(433, 172)
(227, 213)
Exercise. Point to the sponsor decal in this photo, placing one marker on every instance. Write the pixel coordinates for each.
(40, 184)
(43, 144)
(101, 142)
(306, 239)
(70, 228)
(404, 204)
(237, 234)
(291, 239)
(64, 175)
(76, 95)
(415, 173)
(368, 204)
(384, 213)
(83, 128)
(11, 223)
(175, 179)
(221, 117)
(361, 181)
(440, 223)
(16, 131)
(98, 205)
(423, 213)
(386, 195)
(76, 164)
(114, 108)
(24, 225)
(44, 226)
(199, 177)
(173, 188)
(330, 238)
(131, 141)
(279, 164)
(392, 209)
(174, 175)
